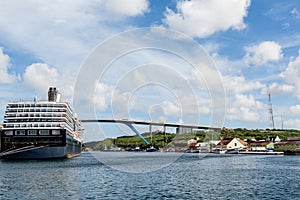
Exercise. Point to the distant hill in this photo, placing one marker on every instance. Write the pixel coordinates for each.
(160, 140)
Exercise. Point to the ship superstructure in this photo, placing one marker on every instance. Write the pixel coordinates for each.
(40, 129)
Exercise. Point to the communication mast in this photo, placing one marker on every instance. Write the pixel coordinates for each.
(271, 117)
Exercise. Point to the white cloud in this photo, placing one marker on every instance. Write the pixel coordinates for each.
(62, 34)
(263, 53)
(201, 18)
(5, 64)
(295, 13)
(276, 88)
(292, 74)
(245, 108)
(172, 108)
(238, 84)
(127, 7)
(40, 77)
(292, 123)
(295, 109)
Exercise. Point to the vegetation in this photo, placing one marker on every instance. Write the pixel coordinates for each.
(161, 140)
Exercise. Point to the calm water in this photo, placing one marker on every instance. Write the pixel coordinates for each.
(152, 176)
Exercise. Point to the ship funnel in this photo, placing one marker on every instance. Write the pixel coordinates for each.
(53, 95)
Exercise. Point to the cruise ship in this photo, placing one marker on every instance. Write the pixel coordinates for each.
(40, 129)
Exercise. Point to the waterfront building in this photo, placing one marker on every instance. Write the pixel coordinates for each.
(261, 146)
(231, 143)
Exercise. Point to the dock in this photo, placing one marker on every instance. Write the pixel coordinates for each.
(262, 152)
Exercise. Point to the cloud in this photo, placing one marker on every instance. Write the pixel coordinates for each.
(295, 109)
(238, 84)
(292, 123)
(40, 77)
(5, 64)
(263, 53)
(295, 13)
(292, 74)
(200, 18)
(278, 89)
(245, 108)
(62, 34)
(128, 7)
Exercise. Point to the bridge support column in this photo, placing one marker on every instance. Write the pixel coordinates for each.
(136, 132)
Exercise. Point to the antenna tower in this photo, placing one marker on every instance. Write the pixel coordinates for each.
(271, 118)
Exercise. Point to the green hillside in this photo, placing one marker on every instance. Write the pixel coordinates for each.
(161, 140)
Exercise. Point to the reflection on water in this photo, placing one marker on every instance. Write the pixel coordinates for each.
(187, 177)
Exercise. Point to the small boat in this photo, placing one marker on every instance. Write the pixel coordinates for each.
(151, 149)
(232, 151)
(137, 149)
(219, 151)
(128, 149)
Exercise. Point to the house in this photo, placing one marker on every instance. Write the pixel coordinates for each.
(231, 143)
(192, 144)
(262, 146)
(274, 139)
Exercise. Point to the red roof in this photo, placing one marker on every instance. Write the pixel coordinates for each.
(225, 141)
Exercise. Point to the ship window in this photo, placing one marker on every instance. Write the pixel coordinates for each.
(55, 132)
(44, 132)
(8, 132)
(7, 140)
(32, 132)
(20, 132)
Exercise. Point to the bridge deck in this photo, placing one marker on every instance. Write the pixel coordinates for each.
(138, 122)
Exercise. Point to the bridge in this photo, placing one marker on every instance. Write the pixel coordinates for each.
(130, 124)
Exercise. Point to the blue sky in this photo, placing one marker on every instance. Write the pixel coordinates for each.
(254, 44)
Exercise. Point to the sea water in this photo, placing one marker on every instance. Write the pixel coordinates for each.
(131, 175)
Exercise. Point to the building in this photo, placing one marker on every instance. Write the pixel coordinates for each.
(231, 143)
(262, 146)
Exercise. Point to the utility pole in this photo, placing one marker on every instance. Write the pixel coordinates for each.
(271, 117)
